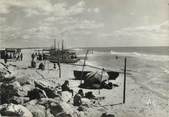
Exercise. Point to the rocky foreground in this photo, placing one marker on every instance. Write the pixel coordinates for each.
(33, 97)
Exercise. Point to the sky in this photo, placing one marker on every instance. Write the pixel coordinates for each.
(84, 23)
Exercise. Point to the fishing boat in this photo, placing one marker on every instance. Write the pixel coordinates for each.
(62, 55)
(81, 75)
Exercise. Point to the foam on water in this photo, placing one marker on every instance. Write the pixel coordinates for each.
(144, 56)
(165, 70)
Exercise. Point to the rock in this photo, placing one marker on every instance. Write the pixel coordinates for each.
(18, 100)
(66, 96)
(5, 74)
(49, 113)
(58, 108)
(86, 102)
(15, 110)
(6, 79)
(48, 101)
(37, 110)
(81, 108)
(36, 94)
(8, 90)
(51, 107)
(93, 113)
(32, 102)
(25, 81)
(48, 87)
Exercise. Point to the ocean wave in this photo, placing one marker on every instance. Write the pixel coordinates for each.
(165, 70)
(142, 55)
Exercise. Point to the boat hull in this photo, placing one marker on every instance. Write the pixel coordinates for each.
(82, 76)
(79, 75)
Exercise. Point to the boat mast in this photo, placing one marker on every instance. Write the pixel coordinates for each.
(55, 44)
(62, 45)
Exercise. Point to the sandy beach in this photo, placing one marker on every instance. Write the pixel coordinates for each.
(142, 97)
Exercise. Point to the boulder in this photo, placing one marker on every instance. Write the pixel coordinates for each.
(92, 113)
(15, 110)
(8, 90)
(5, 74)
(37, 110)
(25, 80)
(58, 108)
(61, 110)
(48, 87)
(18, 100)
(32, 102)
(47, 101)
(36, 94)
(66, 96)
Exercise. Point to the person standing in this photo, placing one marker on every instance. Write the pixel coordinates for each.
(21, 56)
(33, 56)
(5, 57)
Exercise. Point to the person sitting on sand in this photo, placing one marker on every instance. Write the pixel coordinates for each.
(81, 92)
(65, 87)
(77, 101)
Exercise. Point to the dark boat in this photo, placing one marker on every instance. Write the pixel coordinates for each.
(78, 74)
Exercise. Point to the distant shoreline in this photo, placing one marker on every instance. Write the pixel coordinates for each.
(91, 47)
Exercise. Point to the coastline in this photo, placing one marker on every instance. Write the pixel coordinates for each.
(140, 101)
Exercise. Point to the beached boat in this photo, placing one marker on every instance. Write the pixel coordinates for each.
(57, 55)
(62, 56)
(79, 75)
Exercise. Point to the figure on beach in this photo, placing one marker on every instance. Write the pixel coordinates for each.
(21, 56)
(65, 87)
(33, 56)
(77, 100)
(5, 57)
(41, 66)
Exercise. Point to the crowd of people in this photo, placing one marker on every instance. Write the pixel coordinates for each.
(14, 56)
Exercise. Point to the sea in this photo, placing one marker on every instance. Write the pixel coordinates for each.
(147, 66)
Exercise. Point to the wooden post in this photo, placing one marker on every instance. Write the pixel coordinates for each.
(58, 62)
(124, 90)
(62, 49)
(54, 43)
(101, 78)
(83, 66)
(59, 68)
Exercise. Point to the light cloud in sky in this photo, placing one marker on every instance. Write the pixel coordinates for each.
(83, 22)
(155, 35)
